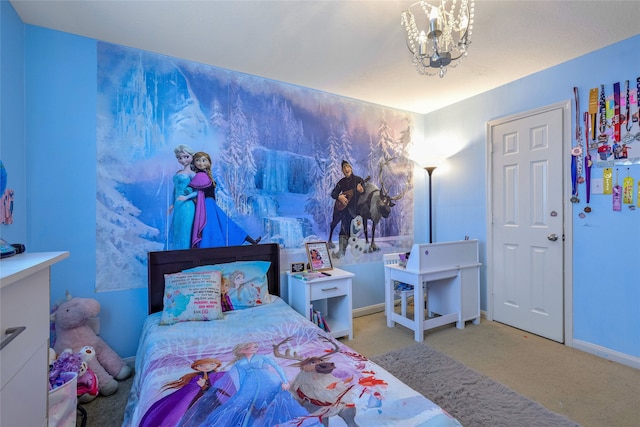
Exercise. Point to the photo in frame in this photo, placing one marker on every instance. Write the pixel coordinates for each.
(297, 267)
(318, 254)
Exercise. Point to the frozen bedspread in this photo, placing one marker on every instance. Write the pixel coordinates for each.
(264, 366)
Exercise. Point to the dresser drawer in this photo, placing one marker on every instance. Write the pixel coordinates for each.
(24, 398)
(333, 288)
(24, 303)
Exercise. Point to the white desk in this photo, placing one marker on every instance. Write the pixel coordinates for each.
(449, 275)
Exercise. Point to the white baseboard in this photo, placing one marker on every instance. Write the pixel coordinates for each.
(370, 309)
(615, 356)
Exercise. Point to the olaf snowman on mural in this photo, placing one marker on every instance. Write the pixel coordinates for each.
(357, 245)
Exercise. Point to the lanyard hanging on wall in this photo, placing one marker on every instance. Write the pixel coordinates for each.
(628, 137)
(576, 153)
(636, 118)
(616, 112)
(587, 163)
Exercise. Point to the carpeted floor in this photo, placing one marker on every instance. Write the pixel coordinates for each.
(472, 398)
(107, 411)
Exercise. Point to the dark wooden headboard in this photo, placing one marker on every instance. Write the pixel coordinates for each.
(167, 262)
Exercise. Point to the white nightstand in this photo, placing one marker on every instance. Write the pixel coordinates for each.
(331, 295)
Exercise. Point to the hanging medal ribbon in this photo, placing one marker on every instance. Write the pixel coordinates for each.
(607, 181)
(604, 150)
(637, 116)
(574, 181)
(587, 163)
(627, 116)
(593, 112)
(616, 112)
(603, 116)
(576, 152)
(627, 190)
(638, 195)
(617, 195)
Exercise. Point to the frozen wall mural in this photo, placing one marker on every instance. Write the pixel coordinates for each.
(276, 152)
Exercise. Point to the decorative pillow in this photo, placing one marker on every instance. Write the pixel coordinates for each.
(244, 283)
(191, 296)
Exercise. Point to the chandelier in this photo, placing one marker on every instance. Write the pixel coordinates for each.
(443, 39)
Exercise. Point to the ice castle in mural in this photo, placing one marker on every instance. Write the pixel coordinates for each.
(276, 152)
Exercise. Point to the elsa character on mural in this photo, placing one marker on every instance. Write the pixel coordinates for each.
(211, 226)
(183, 207)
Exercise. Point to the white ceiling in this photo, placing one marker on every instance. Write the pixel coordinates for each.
(351, 48)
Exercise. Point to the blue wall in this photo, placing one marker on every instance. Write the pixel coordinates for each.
(12, 138)
(605, 284)
(60, 87)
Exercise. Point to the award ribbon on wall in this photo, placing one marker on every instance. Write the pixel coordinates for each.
(617, 195)
(607, 181)
(627, 190)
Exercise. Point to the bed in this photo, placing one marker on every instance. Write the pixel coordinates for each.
(259, 363)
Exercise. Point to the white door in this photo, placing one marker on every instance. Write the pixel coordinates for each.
(526, 260)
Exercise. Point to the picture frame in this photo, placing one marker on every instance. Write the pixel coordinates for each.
(318, 255)
(297, 267)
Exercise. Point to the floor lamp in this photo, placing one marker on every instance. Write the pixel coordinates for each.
(430, 170)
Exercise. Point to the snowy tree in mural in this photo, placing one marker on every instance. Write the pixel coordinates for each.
(276, 150)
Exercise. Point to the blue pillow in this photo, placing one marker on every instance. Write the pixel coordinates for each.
(244, 283)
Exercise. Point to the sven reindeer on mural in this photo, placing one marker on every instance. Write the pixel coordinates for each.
(376, 203)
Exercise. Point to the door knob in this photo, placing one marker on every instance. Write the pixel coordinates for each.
(552, 237)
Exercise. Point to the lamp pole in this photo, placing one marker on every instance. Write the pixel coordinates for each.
(430, 170)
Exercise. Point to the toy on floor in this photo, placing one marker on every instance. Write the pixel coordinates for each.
(74, 331)
(68, 361)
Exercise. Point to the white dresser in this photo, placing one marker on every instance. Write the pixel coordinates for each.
(24, 323)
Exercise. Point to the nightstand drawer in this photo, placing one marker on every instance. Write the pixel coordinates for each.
(334, 288)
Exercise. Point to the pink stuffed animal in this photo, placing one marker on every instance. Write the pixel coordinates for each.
(73, 330)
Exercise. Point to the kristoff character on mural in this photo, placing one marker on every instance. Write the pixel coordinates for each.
(346, 193)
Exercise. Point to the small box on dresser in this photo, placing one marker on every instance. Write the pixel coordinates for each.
(329, 294)
(24, 322)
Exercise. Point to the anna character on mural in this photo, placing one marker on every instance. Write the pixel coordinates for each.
(183, 207)
(189, 388)
(211, 226)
